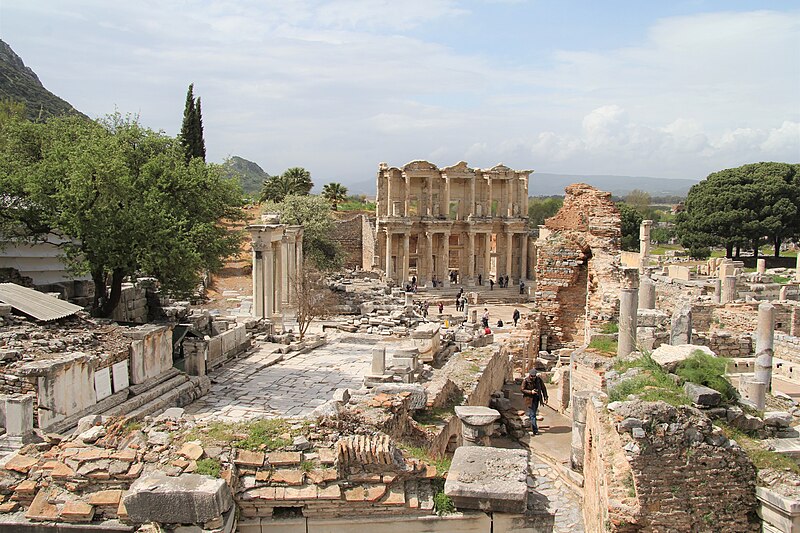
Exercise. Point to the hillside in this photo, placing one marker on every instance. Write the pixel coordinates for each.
(20, 83)
(250, 175)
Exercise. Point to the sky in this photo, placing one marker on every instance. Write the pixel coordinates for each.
(674, 89)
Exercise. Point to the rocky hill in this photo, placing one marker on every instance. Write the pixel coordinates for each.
(250, 175)
(21, 84)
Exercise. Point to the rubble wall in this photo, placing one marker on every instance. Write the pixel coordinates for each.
(132, 305)
(685, 475)
(724, 343)
(349, 233)
(787, 347)
(577, 265)
(368, 247)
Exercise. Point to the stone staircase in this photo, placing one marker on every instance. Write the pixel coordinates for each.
(485, 294)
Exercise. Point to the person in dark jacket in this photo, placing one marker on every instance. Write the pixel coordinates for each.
(535, 392)
(515, 317)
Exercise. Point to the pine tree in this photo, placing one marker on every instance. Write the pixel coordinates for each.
(192, 128)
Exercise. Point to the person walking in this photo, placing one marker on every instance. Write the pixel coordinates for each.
(480, 279)
(506, 283)
(515, 316)
(522, 287)
(491, 284)
(441, 307)
(534, 392)
(485, 318)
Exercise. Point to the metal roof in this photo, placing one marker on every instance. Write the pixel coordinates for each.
(37, 304)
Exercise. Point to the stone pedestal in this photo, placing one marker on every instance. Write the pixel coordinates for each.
(681, 327)
(488, 479)
(377, 373)
(728, 289)
(579, 402)
(753, 391)
(761, 266)
(477, 424)
(19, 415)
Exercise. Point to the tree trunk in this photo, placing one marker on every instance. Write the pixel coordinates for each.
(99, 280)
(776, 241)
(729, 250)
(116, 292)
(738, 251)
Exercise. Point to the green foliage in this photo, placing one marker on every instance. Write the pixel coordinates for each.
(738, 206)
(699, 252)
(709, 371)
(783, 280)
(313, 213)
(295, 181)
(651, 385)
(630, 220)
(442, 464)
(540, 209)
(442, 504)
(604, 345)
(209, 467)
(609, 328)
(357, 203)
(265, 435)
(761, 458)
(335, 193)
(307, 466)
(123, 198)
(191, 135)
(640, 201)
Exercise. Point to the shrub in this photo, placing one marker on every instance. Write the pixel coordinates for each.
(442, 503)
(709, 371)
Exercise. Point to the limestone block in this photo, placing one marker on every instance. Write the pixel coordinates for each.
(102, 383)
(669, 356)
(120, 375)
(780, 419)
(702, 395)
(185, 499)
(476, 415)
(488, 479)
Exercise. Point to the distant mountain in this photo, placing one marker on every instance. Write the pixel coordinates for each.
(20, 83)
(544, 184)
(250, 175)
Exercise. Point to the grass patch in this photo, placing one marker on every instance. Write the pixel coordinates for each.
(604, 345)
(783, 280)
(256, 435)
(307, 466)
(609, 328)
(442, 504)
(709, 371)
(652, 385)
(442, 464)
(131, 426)
(209, 467)
(439, 415)
(762, 459)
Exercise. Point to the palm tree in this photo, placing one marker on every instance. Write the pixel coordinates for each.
(295, 180)
(335, 193)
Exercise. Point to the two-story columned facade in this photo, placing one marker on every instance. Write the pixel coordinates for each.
(433, 221)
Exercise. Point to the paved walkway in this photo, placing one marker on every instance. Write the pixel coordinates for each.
(250, 388)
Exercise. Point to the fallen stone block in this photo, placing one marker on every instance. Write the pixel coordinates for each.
(184, 499)
(418, 398)
(488, 479)
(779, 419)
(668, 357)
(702, 395)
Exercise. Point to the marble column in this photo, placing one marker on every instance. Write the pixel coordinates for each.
(471, 258)
(489, 198)
(429, 199)
(647, 293)
(471, 207)
(628, 305)
(258, 286)
(389, 201)
(728, 289)
(269, 281)
(429, 270)
(717, 296)
(445, 279)
(644, 244)
(487, 256)
(509, 255)
(405, 261)
(765, 337)
(761, 266)
(389, 274)
(406, 190)
(285, 282)
(797, 268)
(446, 201)
(523, 265)
(279, 278)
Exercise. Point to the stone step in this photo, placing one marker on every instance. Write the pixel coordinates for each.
(155, 380)
(184, 394)
(146, 397)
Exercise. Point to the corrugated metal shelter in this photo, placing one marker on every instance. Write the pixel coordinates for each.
(37, 304)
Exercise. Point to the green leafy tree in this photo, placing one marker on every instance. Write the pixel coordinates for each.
(741, 206)
(314, 214)
(540, 209)
(122, 197)
(192, 127)
(630, 221)
(640, 200)
(335, 193)
(294, 181)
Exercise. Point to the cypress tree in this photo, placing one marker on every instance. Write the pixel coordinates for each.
(199, 148)
(192, 127)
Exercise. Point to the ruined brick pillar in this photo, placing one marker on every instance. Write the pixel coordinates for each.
(628, 305)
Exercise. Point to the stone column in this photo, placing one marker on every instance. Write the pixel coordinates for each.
(404, 263)
(487, 257)
(389, 274)
(258, 283)
(471, 209)
(280, 274)
(298, 244)
(445, 279)
(579, 402)
(728, 289)
(471, 258)
(508, 210)
(644, 244)
(489, 198)
(406, 190)
(681, 326)
(717, 291)
(628, 305)
(523, 265)
(429, 199)
(509, 255)
(285, 282)
(764, 344)
(761, 266)
(429, 271)
(647, 293)
(446, 201)
(378, 361)
(269, 281)
(389, 200)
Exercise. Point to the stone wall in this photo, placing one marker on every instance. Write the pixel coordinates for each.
(356, 237)
(577, 265)
(787, 347)
(684, 474)
(132, 305)
(725, 343)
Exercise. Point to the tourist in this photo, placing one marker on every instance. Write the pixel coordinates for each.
(425, 309)
(491, 284)
(515, 316)
(485, 318)
(522, 287)
(458, 303)
(500, 323)
(535, 392)
(441, 307)
(506, 283)
(480, 279)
